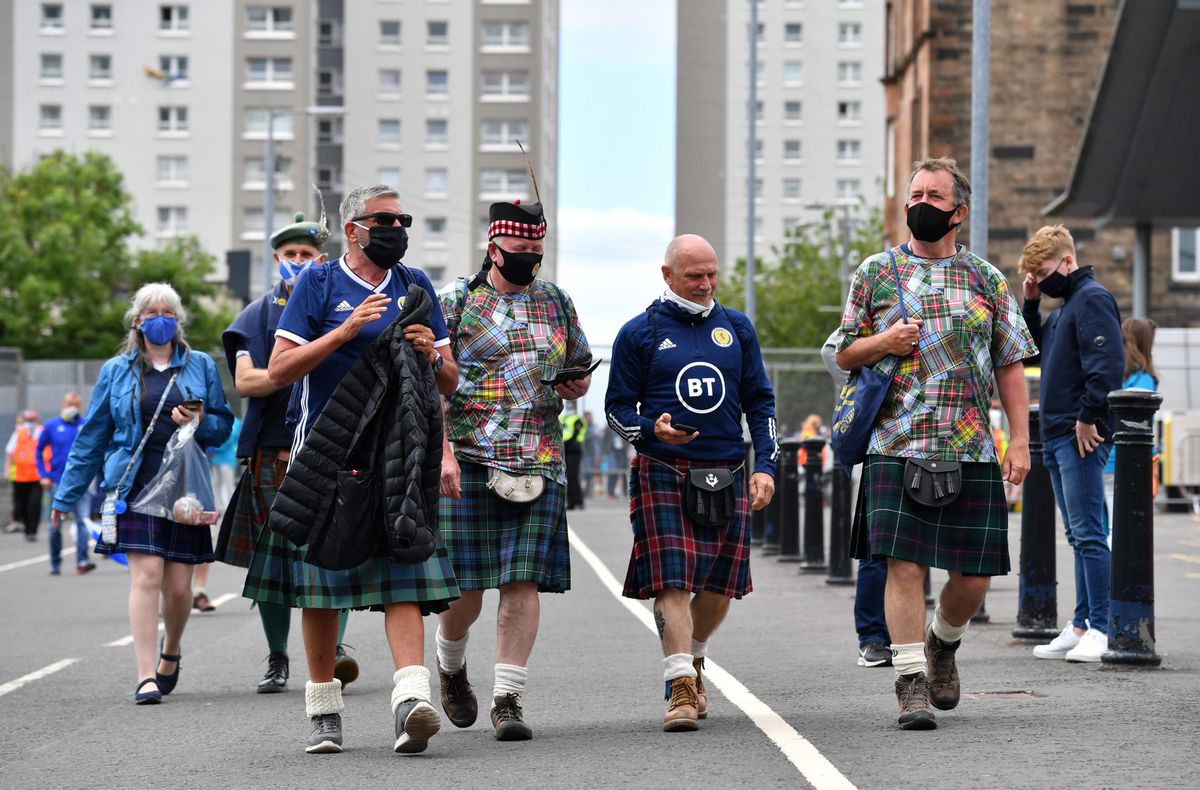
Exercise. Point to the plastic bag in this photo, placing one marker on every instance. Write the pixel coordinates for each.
(182, 490)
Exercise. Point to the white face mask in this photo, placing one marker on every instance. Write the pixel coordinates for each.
(70, 413)
(691, 307)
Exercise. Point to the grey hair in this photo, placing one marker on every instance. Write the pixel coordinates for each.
(150, 295)
(944, 164)
(355, 202)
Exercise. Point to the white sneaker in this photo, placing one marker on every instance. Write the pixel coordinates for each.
(1060, 645)
(1091, 646)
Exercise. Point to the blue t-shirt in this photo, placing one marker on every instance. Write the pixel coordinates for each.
(323, 298)
(1138, 379)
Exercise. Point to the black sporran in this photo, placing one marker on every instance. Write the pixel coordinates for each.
(709, 498)
(932, 483)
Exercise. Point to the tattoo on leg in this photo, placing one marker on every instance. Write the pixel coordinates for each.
(661, 622)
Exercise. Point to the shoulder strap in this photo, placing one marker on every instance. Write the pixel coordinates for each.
(149, 430)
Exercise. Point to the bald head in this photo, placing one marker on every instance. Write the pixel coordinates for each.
(690, 268)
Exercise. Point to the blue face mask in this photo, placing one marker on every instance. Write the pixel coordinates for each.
(159, 330)
(290, 272)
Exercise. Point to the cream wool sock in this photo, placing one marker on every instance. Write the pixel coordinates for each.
(411, 683)
(451, 653)
(909, 658)
(321, 699)
(699, 649)
(944, 631)
(678, 665)
(510, 679)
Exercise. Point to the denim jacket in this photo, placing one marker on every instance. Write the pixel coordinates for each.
(114, 422)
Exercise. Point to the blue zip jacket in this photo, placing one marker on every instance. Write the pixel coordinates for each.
(114, 422)
(1083, 355)
(58, 435)
(705, 371)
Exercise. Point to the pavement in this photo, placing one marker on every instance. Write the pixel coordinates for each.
(790, 708)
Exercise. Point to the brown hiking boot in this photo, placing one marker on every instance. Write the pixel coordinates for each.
(458, 698)
(509, 720)
(701, 692)
(944, 687)
(681, 710)
(912, 692)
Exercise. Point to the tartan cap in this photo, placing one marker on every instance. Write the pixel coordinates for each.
(525, 220)
(312, 233)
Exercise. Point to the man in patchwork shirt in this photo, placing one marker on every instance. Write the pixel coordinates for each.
(960, 325)
(510, 334)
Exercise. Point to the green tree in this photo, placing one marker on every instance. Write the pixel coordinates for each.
(69, 262)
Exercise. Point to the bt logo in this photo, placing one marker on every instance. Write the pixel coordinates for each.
(700, 387)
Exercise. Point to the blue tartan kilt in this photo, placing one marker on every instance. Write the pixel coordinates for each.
(138, 533)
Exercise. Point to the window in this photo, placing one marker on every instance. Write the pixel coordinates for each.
(174, 67)
(760, 33)
(260, 120)
(502, 133)
(52, 17)
(329, 82)
(269, 71)
(172, 220)
(791, 189)
(99, 118)
(758, 111)
(506, 34)
(791, 111)
(252, 221)
(435, 226)
(100, 67)
(758, 149)
(506, 84)
(172, 170)
(850, 33)
(848, 189)
(101, 17)
(52, 66)
(760, 72)
(793, 33)
(758, 189)
(849, 3)
(254, 172)
(328, 178)
(437, 82)
(849, 111)
(389, 132)
(511, 183)
(389, 32)
(269, 19)
(329, 130)
(791, 150)
(437, 131)
(329, 33)
(436, 181)
(173, 119)
(849, 72)
(389, 81)
(173, 17)
(793, 72)
(1183, 254)
(849, 150)
(389, 176)
(50, 117)
(789, 225)
(437, 33)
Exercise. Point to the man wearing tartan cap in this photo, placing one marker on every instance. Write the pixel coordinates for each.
(511, 334)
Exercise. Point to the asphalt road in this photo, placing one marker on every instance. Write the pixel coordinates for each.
(791, 708)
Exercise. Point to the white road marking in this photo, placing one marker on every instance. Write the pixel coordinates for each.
(127, 640)
(226, 598)
(35, 560)
(819, 772)
(13, 685)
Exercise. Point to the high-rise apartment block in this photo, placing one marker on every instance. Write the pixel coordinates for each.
(429, 96)
(819, 119)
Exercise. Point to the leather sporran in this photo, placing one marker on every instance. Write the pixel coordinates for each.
(932, 483)
(709, 497)
(517, 489)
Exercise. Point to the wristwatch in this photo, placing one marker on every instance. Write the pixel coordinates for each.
(438, 362)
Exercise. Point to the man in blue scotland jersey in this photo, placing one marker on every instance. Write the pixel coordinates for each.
(683, 374)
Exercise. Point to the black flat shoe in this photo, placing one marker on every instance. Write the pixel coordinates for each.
(146, 697)
(166, 683)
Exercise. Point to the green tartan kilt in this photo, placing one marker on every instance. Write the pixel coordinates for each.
(245, 517)
(278, 574)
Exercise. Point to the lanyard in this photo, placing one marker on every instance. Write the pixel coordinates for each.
(146, 436)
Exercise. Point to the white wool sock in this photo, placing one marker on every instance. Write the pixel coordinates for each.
(451, 653)
(321, 699)
(943, 630)
(510, 679)
(699, 649)
(411, 683)
(909, 658)
(678, 665)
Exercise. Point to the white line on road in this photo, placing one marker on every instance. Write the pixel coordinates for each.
(13, 685)
(226, 598)
(819, 772)
(35, 560)
(126, 640)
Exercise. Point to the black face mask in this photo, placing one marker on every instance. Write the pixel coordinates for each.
(929, 223)
(387, 246)
(520, 268)
(1054, 285)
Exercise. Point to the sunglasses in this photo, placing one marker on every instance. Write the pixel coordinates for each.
(387, 219)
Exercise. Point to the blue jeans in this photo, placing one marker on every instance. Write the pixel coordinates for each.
(81, 535)
(1079, 488)
(869, 620)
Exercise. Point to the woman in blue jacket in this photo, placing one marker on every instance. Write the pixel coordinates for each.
(156, 384)
(1138, 334)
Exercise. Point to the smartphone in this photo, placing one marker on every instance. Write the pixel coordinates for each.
(685, 428)
(193, 404)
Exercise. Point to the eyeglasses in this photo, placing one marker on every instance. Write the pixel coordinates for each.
(146, 316)
(387, 219)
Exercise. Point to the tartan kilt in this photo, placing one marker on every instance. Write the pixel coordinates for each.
(493, 542)
(668, 551)
(278, 574)
(138, 533)
(245, 516)
(969, 535)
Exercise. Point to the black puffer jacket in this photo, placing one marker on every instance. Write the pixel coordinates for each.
(365, 482)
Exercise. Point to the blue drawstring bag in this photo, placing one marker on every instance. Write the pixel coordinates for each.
(860, 400)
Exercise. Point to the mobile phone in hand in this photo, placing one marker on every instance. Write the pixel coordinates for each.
(685, 428)
(192, 405)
